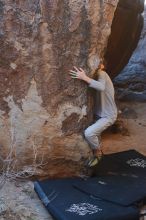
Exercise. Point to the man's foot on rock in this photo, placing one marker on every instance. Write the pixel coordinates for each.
(95, 159)
(92, 162)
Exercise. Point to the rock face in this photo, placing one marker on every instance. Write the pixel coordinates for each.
(126, 29)
(43, 112)
(131, 82)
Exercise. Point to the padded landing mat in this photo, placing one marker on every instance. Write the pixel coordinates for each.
(130, 163)
(123, 190)
(64, 202)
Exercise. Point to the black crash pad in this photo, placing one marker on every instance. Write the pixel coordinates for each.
(64, 202)
(130, 163)
(119, 189)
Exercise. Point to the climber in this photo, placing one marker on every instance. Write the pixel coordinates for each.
(105, 108)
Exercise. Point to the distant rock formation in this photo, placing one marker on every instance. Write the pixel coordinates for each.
(131, 82)
(126, 29)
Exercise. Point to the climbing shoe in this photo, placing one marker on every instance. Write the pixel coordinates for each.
(93, 162)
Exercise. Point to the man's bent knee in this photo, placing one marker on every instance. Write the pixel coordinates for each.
(87, 133)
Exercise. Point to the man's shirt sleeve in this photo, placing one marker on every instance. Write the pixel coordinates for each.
(100, 83)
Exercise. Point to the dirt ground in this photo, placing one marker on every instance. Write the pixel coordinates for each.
(132, 134)
(18, 201)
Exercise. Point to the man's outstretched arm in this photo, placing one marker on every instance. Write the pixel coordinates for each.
(79, 73)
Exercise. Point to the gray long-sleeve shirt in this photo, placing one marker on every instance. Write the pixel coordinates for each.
(105, 102)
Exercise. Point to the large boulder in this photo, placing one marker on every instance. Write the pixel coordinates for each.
(43, 112)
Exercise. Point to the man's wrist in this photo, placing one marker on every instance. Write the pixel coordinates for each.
(87, 79)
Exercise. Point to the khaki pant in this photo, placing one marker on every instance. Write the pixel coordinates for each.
(93, 132)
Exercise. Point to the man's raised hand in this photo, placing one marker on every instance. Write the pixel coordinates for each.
(78, 73)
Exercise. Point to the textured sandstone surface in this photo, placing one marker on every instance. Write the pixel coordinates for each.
(131, 82)
(43, 112)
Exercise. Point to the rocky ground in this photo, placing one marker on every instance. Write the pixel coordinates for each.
(18, 201)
